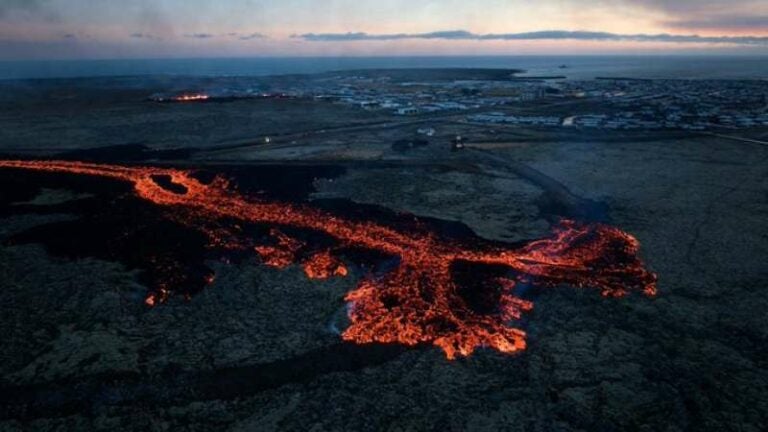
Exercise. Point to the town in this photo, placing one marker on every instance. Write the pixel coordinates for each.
(545, 102)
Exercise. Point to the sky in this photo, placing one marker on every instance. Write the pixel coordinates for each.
(86, 29)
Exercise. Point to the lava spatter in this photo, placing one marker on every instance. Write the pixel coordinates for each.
(418, 302)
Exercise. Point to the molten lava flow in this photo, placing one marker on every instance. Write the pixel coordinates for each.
(281, 255)
(191, 97)
(324, 265)
(418, 302)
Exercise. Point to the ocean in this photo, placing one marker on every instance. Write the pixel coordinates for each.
(576, 67)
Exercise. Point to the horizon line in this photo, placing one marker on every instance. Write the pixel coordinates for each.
(355, 56)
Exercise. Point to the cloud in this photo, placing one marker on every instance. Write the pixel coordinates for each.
(231, 35)
(27, 10)
(251, 36)
(8, 6)
(140, 35)
(360, 36)
(695, 15)
(724, 22)
(246, 36)
(200, 35)
(539, 35)
(76, 37)
(693, 6)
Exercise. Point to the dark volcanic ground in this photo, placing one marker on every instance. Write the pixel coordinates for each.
(259, 349)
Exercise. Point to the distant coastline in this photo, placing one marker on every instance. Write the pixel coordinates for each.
(619, 78)
(535, 67)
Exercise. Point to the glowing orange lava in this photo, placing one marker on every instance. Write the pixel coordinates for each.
(281, 255)
(324, 265)
(419, 301)
(191, 97)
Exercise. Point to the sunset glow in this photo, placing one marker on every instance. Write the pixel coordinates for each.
(144, 29)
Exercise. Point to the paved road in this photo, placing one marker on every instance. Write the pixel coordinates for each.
(738, 138)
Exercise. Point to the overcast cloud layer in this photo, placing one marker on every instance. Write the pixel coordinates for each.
(540, 35)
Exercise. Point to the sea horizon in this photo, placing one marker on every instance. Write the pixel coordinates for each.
(579, 66)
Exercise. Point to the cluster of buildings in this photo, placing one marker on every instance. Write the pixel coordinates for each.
(501, 118)
(671, 104)
(607, 103)
(424, 97)
(533, 102)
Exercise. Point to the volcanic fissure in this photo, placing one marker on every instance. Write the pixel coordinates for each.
(456, 294)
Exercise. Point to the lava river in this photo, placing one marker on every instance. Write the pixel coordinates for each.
(419, 301)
